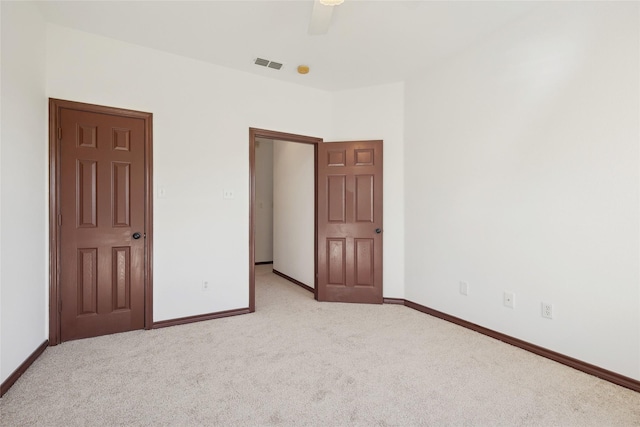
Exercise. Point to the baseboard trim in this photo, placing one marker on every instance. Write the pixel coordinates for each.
(200, 318)
(399, 301)
(588, 368)
(292, 280)
(264, 262)
(11, 380)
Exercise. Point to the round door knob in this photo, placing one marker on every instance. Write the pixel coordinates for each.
(136, 236)
(378, 231)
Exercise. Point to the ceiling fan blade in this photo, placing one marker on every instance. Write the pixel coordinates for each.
(320, 18)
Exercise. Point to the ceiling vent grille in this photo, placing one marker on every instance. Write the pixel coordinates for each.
(266, 63)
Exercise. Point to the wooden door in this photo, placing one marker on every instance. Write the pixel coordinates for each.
(102, 230)
(350, 222)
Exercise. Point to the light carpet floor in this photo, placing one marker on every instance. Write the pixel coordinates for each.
(297, 362)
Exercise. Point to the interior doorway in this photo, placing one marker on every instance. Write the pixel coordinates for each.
(285, 209)
(348, 208)
(255, 136)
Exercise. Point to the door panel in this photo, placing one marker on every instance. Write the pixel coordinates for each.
(102, 203)
(337, 208)
(365, 264)
(336, 261)
(364, 198)
(349, 213)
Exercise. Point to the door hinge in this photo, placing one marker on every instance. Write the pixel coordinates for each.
(59, 133)
(60, 306)
(59, 219)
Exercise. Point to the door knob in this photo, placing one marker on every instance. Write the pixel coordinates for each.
(378, 231)
(136, 236)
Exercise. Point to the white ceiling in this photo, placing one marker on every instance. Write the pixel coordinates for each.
(369, 42)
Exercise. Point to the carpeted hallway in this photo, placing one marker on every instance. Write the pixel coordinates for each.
(299, 362)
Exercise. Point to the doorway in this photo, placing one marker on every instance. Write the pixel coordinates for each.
(347, 217)
(285, 209)
(100, 220)
(254, 136)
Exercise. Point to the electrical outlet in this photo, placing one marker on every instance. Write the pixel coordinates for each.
(509, 299)
(547, 310)
(228, 194)
(464, 288)
(205, 285)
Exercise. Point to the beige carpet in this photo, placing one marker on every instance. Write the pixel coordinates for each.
(298, 362)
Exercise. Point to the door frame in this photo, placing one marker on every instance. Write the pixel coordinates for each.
(55, 107)
(277, 136)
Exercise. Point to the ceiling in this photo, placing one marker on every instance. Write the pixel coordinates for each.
(369, 42)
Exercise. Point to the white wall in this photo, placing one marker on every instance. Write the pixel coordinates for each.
(522, 174)
(202, 114)
(264, 201)
(378, 113)
(23, 181)
(293, 210)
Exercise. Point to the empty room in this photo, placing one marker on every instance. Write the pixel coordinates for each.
(452, 209)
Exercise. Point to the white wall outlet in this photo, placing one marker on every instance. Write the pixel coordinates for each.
(162, 193)
(547, 310)
(228, 194)
(509, 299)
(464, 288)
(205, 285)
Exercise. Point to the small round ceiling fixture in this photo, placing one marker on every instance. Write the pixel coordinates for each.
(303, 69)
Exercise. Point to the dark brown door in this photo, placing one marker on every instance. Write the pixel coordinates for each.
(350, 221)
(101, 223)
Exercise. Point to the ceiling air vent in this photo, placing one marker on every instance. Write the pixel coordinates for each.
(266, 63)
